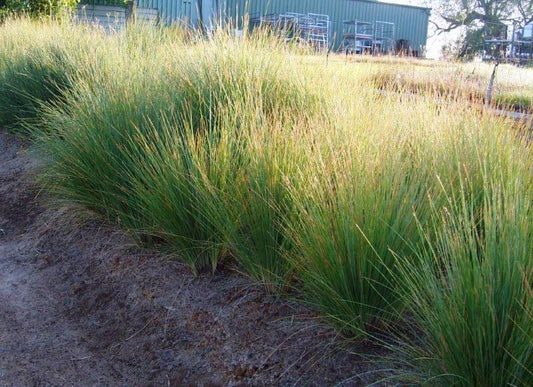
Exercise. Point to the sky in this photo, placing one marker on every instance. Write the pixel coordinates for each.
(435, 42)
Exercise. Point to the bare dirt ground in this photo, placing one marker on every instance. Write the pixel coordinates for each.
(81, 305)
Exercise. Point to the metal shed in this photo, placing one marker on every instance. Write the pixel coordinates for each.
(410, 22)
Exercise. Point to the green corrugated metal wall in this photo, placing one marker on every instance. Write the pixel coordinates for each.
(171, 11)
(411, 22)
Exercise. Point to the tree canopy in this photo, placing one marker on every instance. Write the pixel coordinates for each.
(37, 7)
(479, 18)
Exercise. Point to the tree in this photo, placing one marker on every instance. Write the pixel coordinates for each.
(38, 7)
(478, 19)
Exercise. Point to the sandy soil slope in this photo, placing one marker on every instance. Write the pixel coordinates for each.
(80, 305)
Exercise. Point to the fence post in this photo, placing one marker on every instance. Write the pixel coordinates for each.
(130, 12)
(491, 83)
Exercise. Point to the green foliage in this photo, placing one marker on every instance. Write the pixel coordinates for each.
(479, 19)
(261, 207)
(471, 288)
(167, 149)
(38, 65)
(514, 101)
(4, 14)
(52, 8)
(357, 216)
(37, 77)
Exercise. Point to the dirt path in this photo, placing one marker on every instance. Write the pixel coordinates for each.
(80, 305)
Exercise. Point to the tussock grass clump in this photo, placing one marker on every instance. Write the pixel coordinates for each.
(347, 235)
(39, 62)
(469, 289)
(262, 208)
(167, 148)
(362, 205)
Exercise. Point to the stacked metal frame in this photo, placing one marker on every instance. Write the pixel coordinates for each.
(310, 28)
(358, 37)
(410, 22)
(362, 37)
(385, 37)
